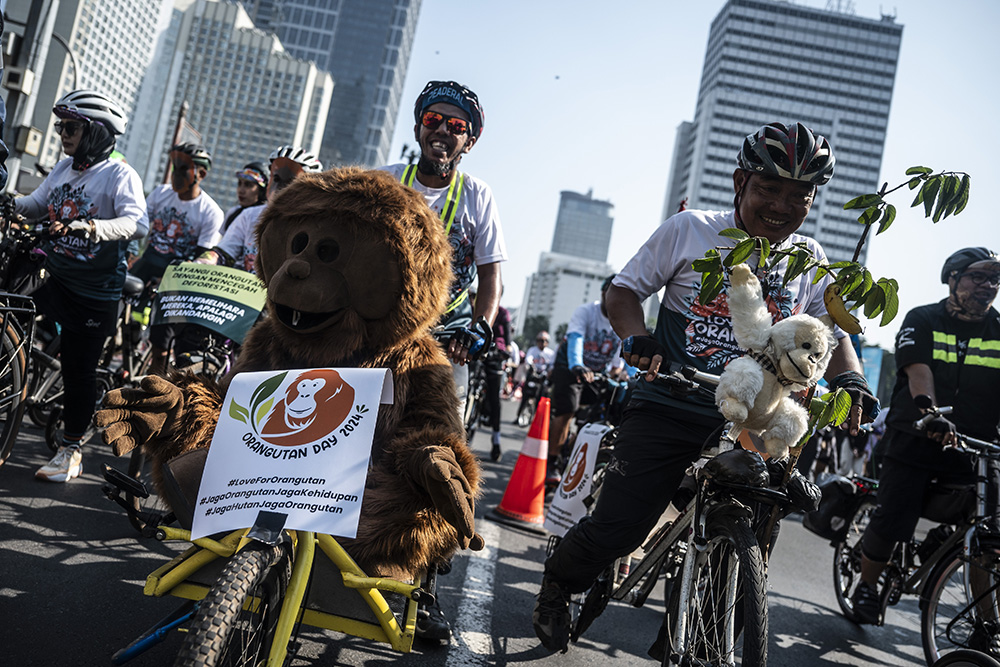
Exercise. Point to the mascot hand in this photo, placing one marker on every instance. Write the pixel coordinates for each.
(132, 417)
(437, 471)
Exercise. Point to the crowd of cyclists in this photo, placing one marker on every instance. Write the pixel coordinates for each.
(948, 353)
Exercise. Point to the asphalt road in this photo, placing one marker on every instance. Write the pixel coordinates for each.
(72, 571)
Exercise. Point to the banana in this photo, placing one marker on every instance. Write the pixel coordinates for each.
(838, 311)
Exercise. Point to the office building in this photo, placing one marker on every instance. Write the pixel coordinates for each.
(583, 226)
(365, 45)
(776, 61)
(105, 46)
(558, 287)
(246, 95)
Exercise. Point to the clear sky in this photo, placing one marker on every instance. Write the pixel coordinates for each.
(584, 94)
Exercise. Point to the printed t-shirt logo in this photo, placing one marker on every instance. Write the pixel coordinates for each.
(315, 403)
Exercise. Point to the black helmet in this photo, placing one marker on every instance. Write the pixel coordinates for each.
(607, 282)
(199, 154)
(961, 260)
(452, 93)
(789, 152)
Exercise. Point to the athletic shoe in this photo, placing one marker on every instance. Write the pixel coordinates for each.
(551, 616)
(64, 466)
(866, 603)
(431, 623)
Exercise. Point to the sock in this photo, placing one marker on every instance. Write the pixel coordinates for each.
(72, 441)
(496, 437)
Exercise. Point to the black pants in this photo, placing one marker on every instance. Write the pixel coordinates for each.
(86, 325)
(494, 369)
(656, 444)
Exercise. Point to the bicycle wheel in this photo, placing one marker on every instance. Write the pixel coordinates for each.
(961, 601)
(727, 598)
(847, 559)
(966, 658)
(44, 373)
(473, 411)
(235, 623)
(12, 369)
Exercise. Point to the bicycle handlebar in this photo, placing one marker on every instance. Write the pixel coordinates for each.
(965, 442)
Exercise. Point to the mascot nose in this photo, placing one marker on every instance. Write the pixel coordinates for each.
(298, 269)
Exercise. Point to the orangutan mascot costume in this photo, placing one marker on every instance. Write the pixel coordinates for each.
(357, 270)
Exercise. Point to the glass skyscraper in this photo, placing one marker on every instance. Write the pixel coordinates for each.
(772, 61)
(365, 45)
(583, 226)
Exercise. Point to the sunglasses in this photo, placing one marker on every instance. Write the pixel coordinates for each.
(71, 127)
(432, 120)
(980, 278)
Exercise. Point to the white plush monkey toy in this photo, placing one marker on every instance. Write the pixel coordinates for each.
(790, 355)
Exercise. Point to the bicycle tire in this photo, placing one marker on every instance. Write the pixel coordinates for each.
(966, 658)
(228, 628)
(732, 550)
(13, 365)
(847, 559)
(948, 616)
(38, 411)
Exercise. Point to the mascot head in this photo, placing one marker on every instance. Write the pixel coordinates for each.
(352, 260)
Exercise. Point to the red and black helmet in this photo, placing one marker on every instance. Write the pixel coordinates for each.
(452, 93)
(789, 152)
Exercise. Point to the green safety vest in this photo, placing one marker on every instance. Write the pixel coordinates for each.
(447, 215)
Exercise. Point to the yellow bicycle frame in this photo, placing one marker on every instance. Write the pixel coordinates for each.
(173, 578)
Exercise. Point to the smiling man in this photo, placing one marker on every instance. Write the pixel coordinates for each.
(449, 122)
(779, 169)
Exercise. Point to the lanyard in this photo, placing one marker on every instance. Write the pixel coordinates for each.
(451, 201)
(447, 215)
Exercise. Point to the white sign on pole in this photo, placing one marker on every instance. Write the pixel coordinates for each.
(293, 443)
(567, 505)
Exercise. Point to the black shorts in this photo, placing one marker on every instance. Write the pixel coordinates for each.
(568, 394)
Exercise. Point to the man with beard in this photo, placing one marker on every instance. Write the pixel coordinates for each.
(449, 122)
(947, 354)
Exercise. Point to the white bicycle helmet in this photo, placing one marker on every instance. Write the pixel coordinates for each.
(300, 156)
(94, 106)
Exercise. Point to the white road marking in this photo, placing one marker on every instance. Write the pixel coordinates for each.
(472, 642)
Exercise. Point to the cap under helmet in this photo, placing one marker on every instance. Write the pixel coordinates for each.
(254, 172)
(455, 93)
(94, 106)
(300, 156)
(199, 154)
(962, 259)
(792, 152)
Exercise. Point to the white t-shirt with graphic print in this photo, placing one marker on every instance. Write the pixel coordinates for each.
(178, 227)
(240, 241)
(476, 237)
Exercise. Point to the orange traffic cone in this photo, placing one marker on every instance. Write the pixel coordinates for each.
(523, 502)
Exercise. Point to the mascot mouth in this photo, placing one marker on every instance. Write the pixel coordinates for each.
(804, 376)
(299, 320)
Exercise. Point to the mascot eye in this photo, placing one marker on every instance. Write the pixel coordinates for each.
(299, 243)
(328, 250)
(806, 346)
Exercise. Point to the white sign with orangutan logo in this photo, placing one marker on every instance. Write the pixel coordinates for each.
(567, 506)
(293, 443)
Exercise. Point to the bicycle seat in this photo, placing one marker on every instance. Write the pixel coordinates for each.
(181, 479)
(737, 467)
(133, 285)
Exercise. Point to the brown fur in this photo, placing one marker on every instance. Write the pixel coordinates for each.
(400, 533)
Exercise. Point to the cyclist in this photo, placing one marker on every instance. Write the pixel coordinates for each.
(96, 207)
(449, 122)
(778, 170)
(949, 352)
(239, 246)
(590, 346)
(184, 221)
(251, 190)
